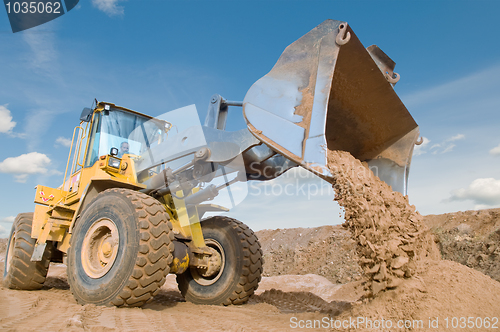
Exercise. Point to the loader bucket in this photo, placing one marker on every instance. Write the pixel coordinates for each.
(328, 92)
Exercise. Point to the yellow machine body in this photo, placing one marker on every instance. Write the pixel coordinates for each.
(57, 209)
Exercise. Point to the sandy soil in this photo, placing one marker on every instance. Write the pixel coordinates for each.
(440, 289)
(54, 309)
(327, 251)
(471, 238)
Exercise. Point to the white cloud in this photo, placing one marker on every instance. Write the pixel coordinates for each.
(447, 145)
(8, 219)
(438, 148)
(6, 123)
(484, 192)
(110, 7)
(24, 165)
(495, 151)
(455, 138)
(448, 148)
(63, 141)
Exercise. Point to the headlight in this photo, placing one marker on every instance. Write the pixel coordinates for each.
(113, 162)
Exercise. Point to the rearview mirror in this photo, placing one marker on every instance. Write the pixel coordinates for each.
(86, 115)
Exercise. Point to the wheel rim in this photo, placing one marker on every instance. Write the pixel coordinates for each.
(200, 277)
(10, 252)
(100, 248)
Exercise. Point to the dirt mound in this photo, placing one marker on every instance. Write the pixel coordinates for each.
(480, 223)
(3, 246)
(390, 234)
(435, 300)
(471, 238)
(327, 251)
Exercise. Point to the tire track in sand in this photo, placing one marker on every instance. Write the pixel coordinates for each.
(34, 311)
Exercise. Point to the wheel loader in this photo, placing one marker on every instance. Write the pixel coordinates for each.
(136, 188)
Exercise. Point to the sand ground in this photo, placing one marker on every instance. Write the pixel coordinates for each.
(284, 301)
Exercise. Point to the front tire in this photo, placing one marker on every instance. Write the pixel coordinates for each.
(120, 250)
(240, 268)
(20, 272)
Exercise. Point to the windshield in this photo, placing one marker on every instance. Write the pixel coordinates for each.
(128, 132)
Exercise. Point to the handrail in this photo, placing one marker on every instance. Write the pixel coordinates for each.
(69, 157)
(85, 134)
(80, 140)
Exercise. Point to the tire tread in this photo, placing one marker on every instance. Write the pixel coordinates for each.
(153, 238)
(252, 259)
(23, 274)
(252, 249)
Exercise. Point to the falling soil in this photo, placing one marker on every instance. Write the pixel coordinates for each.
(390, 234)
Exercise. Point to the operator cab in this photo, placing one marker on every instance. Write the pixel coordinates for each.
(120, 132)
(111, 133)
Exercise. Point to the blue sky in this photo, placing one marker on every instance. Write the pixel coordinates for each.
(155, 56)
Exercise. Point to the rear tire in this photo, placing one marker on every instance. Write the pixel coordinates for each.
(20, 272)
(120, 250)
(241, 266)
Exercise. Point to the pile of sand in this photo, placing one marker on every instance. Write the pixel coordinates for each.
(327, 251)
(440, 298)
(3, 246)
(471, 238)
